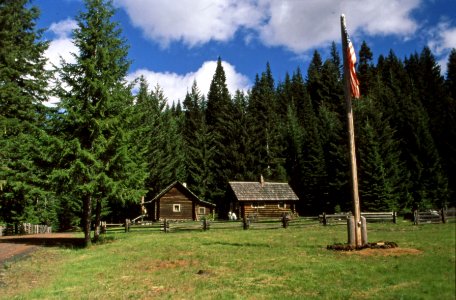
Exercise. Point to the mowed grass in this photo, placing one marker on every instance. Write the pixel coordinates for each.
(290, 263)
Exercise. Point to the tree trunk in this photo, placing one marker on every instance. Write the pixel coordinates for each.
(86, 219)
(96, 234)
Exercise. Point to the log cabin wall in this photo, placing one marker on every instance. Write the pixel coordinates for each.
(265, 210)
(168, 203)
(202, 211)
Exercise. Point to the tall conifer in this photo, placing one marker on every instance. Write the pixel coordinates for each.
(96, 166)
(24, 157)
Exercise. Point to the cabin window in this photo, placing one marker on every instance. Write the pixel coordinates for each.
(258, 205)
(176, 207)
(202, 210)
(282, 205)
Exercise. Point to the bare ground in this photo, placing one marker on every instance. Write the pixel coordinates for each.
(15, 247)
(384, 252)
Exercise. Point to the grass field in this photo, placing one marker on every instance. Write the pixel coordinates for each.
(288, 263)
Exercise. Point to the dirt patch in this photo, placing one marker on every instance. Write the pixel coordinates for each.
(16, 247)
(384, 252)
(155, 265)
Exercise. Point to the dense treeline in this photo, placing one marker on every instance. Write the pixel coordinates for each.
(105, 146)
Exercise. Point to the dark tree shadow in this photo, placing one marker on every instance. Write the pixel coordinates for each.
(57, 241)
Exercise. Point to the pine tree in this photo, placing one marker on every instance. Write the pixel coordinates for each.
(161, 139)
(24, 157)
(449, 156)
(451, 74)
(264, 128)
(194, 122)
(218, 117)
(314, 84)
(365, 69)
(241, 158)
(429, 87)
(333, 137)
(408, 117)
(96, 166)
(381, 180)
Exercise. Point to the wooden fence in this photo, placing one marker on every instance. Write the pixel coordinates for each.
(176, 225)
(341, 218)
(252, 223)
(434, 216)
(24, 228)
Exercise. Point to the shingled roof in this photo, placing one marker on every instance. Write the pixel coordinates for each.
(262, 191)
(183, 187)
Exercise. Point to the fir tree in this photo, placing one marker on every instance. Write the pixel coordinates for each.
(218, 117)
(24, 157)
(314, 84)
(449, 156)
(365, 68)
(264, 129)
(381, 180)
(96, 166)
(409, 119)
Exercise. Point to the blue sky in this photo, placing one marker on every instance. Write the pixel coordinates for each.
(173, 43)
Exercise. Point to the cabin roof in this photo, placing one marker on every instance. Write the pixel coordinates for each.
(178, 184)
(266, 191)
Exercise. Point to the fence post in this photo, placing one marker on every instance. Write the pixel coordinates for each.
(285, 220)
(205, 224)
(127, 225)
(325, 221)
(246, 223)
(364, 231)
(165, 225)
(415, 217)
(1, 230)
(351, 230)
(444, 219)
(394, 217)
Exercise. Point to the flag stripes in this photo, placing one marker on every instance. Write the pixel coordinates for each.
(351, 57)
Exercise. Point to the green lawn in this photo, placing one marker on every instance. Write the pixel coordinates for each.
(288, 263)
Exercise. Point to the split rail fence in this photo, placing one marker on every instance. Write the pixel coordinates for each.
(341, 218)
(285, 222)
(174, 225)
(24, 228)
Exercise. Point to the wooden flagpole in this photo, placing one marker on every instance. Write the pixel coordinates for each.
(351, 136)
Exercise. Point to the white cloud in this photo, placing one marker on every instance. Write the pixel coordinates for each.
(63, 29)
(60, 48)
(296, 25)
(189, 21)
(175, 86)
(442, 38)
(304, 25)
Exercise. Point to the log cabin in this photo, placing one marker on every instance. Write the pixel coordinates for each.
(177, 202)
(262, 199)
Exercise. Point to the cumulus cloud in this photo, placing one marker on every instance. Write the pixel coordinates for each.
(296, 25)
(62, 46)
(442, 38)
(304, 25)
(175, 86)
(189, 21)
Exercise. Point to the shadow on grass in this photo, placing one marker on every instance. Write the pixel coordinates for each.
(58, 240)
(239, 244)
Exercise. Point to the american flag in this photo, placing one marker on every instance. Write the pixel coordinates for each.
(351, 57)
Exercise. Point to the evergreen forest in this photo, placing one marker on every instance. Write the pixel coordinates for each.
(110, 142)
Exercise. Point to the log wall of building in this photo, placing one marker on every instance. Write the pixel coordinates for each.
(269, 210)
